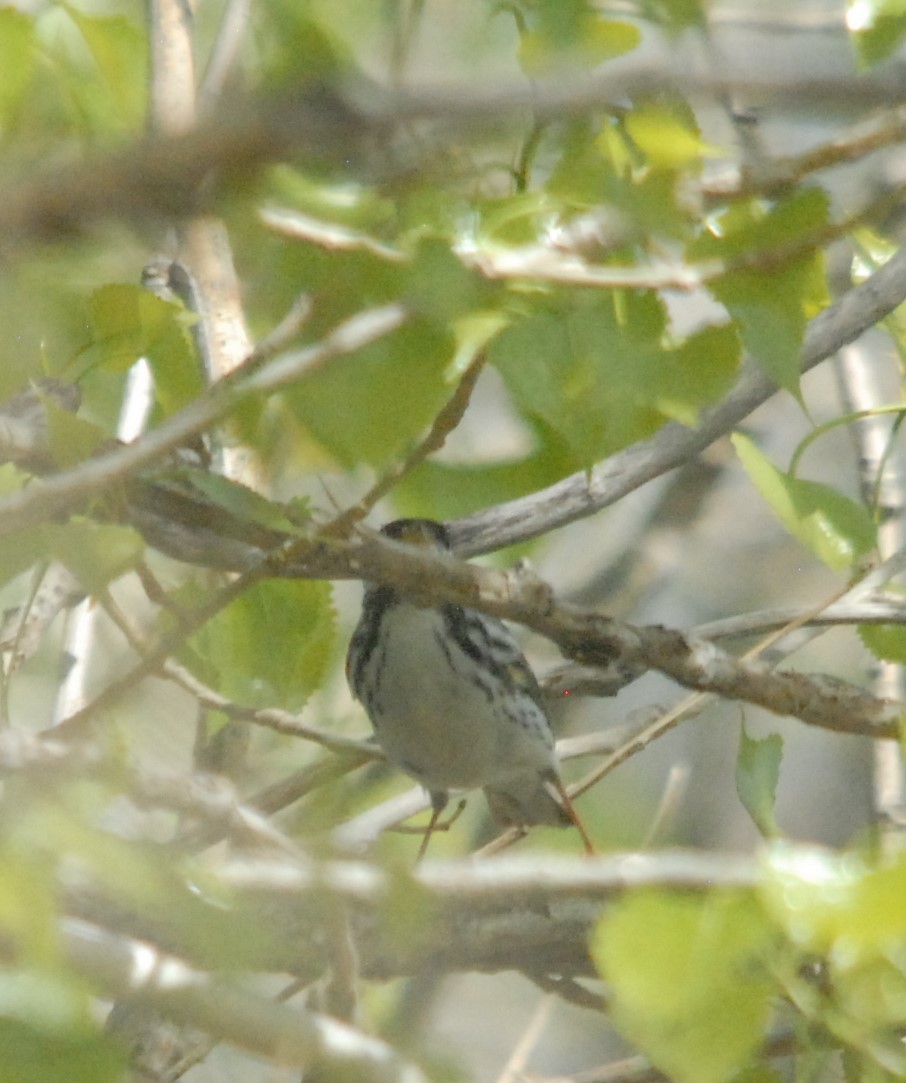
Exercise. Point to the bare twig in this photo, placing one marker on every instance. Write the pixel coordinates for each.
(224, 53)
(445, 422)
(77, 724)
(776, 175)
(531, 1036)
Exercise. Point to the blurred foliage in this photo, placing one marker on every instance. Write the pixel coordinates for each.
(694, 979)
(490, 237)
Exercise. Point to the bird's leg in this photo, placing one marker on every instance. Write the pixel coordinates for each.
(438, 804)
(557, 783)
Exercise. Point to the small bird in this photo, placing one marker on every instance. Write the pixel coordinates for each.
(453, 701)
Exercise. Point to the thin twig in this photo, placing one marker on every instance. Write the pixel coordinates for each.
(531, 1036)
(76, 724)
(68, 489)
(445, 422)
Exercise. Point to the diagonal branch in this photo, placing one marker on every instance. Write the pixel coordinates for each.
(68, 490)
(294, 1037)
(584, 493)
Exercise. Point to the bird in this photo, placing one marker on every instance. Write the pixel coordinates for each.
(453, 701)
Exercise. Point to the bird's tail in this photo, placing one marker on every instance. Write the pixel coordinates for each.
(524, 800)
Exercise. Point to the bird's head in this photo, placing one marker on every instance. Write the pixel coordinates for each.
(422, 532)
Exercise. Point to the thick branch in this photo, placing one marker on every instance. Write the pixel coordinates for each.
(592, 638)
(525, 912)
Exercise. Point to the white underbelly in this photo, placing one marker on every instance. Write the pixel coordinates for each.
(439, 725)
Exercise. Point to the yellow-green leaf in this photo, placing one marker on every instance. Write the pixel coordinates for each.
(687, 980)
(668, 140)
(836, 529)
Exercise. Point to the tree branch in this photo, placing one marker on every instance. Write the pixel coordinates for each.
(289, 1036)
(585, 493)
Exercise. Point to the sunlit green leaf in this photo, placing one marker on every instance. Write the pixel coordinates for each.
(669, 140)
(757, 775)
(838, 903)
(687, 980)
(836, 529)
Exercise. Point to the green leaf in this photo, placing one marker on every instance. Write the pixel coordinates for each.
(757, 774)
(687, 980)
(669, 138)
(95, 553)
(441, 490)
(20, 551)
(601, 376)
(885, 641)
(440, 287)
(781, 283)
(675, 15)
(43, 1054)
(877, 28)
(591, 43)
(71, 439)
(592, 166)
(836, 529)
(238, 500)
(701, 371)
(17, 60)
(27, 908)
(587, 373)
(372, 406)
(759, 1074)
(129, 322)
(569, 34)
(272, 645)
(768, 308)
(119, 49)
